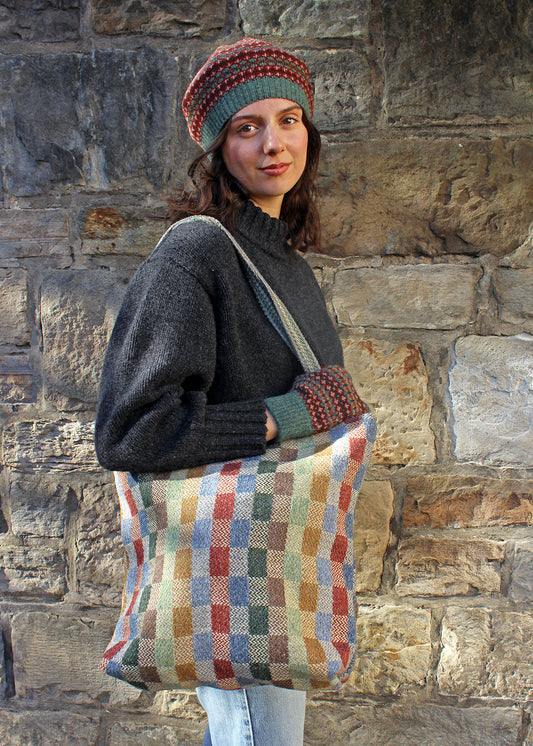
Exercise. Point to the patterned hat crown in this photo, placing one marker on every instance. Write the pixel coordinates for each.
(238, 74)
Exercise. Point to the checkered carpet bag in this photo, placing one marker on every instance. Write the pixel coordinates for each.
(242, 572)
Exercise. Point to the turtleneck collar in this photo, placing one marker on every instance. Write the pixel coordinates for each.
(257, 227)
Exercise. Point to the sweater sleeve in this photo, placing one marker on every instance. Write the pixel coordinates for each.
(153, 412)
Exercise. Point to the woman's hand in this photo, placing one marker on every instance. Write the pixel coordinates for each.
(272, 427)
(317, 401)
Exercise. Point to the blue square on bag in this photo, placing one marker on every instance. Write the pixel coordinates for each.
(200, 591)
(329, 523)
(143, 523)
(203, 647)
(238, 648)
(323, 571)
(245, 484)
(239, 533)
(238, 591)
(201, 535)
(323, 626)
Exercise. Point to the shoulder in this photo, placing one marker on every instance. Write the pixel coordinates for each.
(197, 245)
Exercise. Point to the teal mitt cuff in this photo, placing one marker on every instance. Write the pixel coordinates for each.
(291, 415)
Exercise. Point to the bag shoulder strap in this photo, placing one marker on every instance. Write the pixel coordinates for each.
(273, 307)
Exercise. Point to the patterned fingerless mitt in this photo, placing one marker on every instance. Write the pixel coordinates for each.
(317, 401)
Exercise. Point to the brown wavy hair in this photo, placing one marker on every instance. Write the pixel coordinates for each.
(217, 193)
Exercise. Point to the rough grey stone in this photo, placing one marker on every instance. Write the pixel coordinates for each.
(34, 233)
(100, 560)
(180, 733)
(521, 586)
(491, 400)
(64, 445)
(14, 326)
(92, 120)
(476, 61)
(32, 570)
(411, 195)
(58, 656)
(172, 18)
(448, 567)
(344, 722)
(78, 310)
(479, 653)
(48, 728)
(393, 380)
(16, 379)
(514, 292)
(343, 88)
(393, 649)
(40, 20)
(335, 18)
(39, 505)
(414, 297)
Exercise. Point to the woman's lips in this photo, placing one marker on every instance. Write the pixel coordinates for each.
(275, 169)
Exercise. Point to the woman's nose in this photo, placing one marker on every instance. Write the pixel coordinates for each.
(272, 142)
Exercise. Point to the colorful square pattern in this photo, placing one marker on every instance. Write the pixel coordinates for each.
(242, 573)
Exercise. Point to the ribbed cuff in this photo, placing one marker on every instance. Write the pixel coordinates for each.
(291, 415)
(234, 430)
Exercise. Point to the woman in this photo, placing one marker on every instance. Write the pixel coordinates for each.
(195, 372)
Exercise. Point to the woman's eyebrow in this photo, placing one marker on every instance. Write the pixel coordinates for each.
(236, 117)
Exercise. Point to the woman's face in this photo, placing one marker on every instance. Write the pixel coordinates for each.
(266, 150)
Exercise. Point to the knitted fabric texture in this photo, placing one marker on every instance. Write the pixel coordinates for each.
(237, 75)
(317, 401)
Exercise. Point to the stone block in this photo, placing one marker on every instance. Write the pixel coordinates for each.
(100, 558)
(39, 505)
(94, 120)
(343, 88)
(119, 230)
(172, 18)
(63, 445)
(16, 379)
(371, 534)
(491, 400)
(345, 722)
(409, 195)
(48, 728)
(78, 310)
(3, 677)
(40, 21)
(436, 296)
(444, 500)
(336, 18)
(58, 656)
(448, 567)
(393, 381)
(14, 326)
(514, 293)
(32, 570)
(394, 649)
(446, 61)
(486, 654)
(521, 585)
(179, 733)
(34, 233)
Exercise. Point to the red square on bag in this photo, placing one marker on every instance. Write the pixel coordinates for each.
(219, 561)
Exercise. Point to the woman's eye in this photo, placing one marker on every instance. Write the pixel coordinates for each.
(246, 128)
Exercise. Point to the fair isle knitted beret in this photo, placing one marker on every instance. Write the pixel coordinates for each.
(237, 75)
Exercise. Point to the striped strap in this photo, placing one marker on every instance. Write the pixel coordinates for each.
(272, 305)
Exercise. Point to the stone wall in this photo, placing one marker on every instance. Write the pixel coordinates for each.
(426, 112)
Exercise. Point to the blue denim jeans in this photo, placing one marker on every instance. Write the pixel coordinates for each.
(256, 716)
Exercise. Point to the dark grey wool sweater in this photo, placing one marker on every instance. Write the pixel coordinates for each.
(192, 355)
